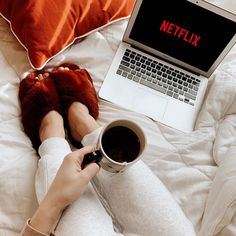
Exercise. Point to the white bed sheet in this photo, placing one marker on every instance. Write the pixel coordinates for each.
(197, 168)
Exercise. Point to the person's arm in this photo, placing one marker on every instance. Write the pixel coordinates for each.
(68, 185)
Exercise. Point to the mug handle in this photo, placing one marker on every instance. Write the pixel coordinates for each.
(95, 156)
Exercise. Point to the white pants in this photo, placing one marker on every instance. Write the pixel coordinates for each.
(131, 203)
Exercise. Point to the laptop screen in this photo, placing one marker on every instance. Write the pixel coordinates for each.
(184, 31)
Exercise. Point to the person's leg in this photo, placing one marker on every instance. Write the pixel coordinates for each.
(52, 151)
(140, 203)
(80, 121)
(42, 122)
(86, 216)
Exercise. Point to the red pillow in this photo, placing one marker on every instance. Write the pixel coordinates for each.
(46, 27)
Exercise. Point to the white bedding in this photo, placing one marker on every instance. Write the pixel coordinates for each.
(199, 168)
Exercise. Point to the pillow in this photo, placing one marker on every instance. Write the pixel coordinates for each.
(45, 28)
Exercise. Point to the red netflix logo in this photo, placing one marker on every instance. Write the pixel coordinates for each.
(179, 32)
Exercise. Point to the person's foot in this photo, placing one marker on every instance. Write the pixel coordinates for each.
(38, 97)
(51, 126)
(80, 121)
(79, 101)
(75, 85)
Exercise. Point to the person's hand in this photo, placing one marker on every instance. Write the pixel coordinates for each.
(70, 181)
(69, 184)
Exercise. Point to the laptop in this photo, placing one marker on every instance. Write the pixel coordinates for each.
(168, 52)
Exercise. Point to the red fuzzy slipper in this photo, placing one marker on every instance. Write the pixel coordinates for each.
(37, 98)
(75, 84)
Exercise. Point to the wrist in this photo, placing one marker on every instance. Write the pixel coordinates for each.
(46, 217)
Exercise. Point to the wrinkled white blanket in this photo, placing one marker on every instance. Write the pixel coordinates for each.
(199, 168)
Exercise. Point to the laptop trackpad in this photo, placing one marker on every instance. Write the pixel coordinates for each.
(149, 104)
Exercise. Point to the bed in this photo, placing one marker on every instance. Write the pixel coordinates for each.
(199, 168)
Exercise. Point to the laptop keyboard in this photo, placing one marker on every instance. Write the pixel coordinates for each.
(159, 77)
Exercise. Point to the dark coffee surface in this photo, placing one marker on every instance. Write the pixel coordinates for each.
(121, 144)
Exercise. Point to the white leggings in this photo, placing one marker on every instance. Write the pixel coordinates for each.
(131, 203)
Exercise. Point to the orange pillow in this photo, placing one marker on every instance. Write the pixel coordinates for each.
(46, 27)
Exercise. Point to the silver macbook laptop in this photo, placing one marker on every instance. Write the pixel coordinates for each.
(168, 51)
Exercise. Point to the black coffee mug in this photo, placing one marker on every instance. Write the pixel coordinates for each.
(121, 143)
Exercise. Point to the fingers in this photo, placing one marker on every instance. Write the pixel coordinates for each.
(89, 172)
(79, 154)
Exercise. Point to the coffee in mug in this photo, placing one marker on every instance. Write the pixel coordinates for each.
(121, 143)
